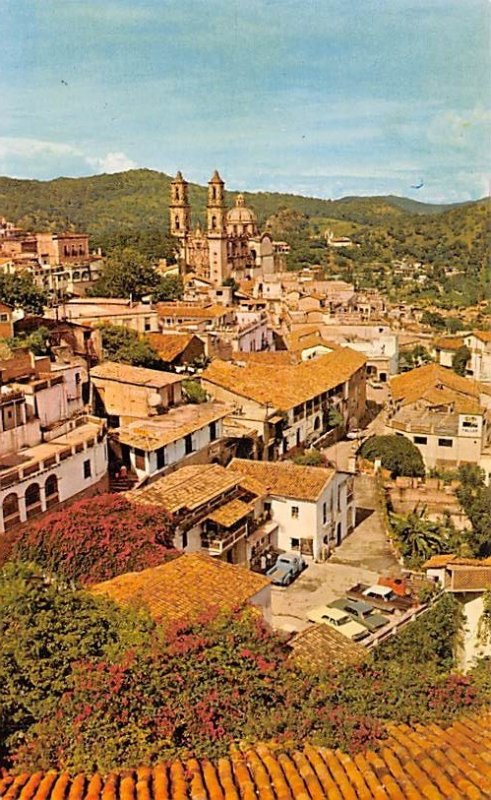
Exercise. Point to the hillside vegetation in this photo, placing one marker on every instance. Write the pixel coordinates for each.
(131, 208)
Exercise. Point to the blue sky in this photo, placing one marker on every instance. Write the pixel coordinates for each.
(319, 97)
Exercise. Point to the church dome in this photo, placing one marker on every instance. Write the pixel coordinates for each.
(240, 214)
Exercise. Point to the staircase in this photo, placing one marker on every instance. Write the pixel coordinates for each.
(122, 483)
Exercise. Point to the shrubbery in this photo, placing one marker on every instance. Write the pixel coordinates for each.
(98, 538)
(85, 685)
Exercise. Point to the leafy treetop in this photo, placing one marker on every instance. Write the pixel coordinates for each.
(396, 453)
(97, 539)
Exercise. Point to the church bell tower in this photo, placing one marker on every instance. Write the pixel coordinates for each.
(216, 214)
(179, 209)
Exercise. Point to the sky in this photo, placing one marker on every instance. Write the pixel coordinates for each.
(327, 98)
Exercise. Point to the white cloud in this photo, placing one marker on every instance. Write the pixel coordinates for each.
(33, 148)
(112, 162)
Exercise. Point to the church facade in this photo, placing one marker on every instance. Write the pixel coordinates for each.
(231, 246)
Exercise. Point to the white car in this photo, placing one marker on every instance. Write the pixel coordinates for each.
(340, 620)
(356, 433)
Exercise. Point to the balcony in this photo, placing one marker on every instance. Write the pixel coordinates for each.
(217, 542)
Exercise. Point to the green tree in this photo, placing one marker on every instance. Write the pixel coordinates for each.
(420, 538)
(45, 627)
(169, 287)
(396, 453)
(37, 341)
(433, 319)
(19, 291)
(126, 273)
(310, 458)
(475, 498)
(194, 392)
(127, 347)
(460, 360)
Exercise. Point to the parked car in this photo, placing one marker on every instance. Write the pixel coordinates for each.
(375, 384)
(340, 620)
(287, 567)
(379, 596)
(356, 433)
(361, 612)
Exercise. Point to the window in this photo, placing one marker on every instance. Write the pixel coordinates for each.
(148, 324)
(188, 444)
(445, 442)
(295, 544)
(295, 512)
(184, 539)
(420, 440)
(324, 513)
(4, 317)
(77, 378)
(87, 469)
(213, 431)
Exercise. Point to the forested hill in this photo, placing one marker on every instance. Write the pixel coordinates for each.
(103, 204)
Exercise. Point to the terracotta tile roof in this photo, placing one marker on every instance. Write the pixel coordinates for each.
(183, 311)
(484, 336)
(140, 376)
(151, 434)
(169, 345)
(470, 579)
(435, 384)
(451, 560)
(449, 343)
(185, 587)
(420, 763)
(187, 488)
(286, 386)
(230, 513)
(270, 357)
(285, 479)
(321, 647)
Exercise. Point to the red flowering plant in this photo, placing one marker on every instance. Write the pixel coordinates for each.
(98, 538)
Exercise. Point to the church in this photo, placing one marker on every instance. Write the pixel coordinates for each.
(230, 247)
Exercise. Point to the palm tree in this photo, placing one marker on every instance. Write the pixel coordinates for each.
(420, 538)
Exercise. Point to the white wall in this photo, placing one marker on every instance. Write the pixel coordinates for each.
(309, 524)
(472, 606)
(70, 474)
(176, 451)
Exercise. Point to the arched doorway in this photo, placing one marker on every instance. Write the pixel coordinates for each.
(10, 511)
(33, 500)
(51, 491)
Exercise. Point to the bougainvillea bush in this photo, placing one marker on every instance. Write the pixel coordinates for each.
(87, 685)
(97, 539)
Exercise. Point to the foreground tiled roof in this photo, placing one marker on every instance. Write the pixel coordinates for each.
(186, 587)
(425, 763)
(285, 479)
(286, 386)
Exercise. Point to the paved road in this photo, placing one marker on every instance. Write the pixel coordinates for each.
(368, 546)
